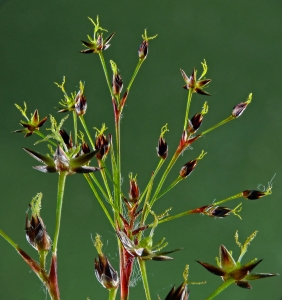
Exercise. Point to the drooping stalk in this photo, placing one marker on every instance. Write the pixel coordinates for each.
(60, 196)
(221, 288)
(142, 267)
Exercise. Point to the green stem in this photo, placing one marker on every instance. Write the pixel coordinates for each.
(170, 165)
(118, 198)
(145, 206)
(42, 258)
(139, 64)
(188, 108)
(98, 185)
(60, 195)
(106, 72)
(106, 183)
(179, 178)
(87, 132)
(185, 213)
(222, 287)
(8, 239)
(112, 294)
(44, 136)
(228, 199)
(142, 267)
(152, 178)
(99, 199)
(75, 126)
(230, 118)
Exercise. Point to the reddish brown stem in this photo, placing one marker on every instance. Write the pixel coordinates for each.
(53, 279)
(126, 265)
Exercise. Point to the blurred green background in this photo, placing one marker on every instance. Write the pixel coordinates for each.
(242, 43)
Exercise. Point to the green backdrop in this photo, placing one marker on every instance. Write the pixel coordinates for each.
(241, 41)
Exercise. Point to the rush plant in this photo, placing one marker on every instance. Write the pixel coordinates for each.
(72, 154)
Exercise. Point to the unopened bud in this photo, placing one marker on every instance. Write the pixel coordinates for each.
(187, 169)
(217, 211)
(134, 192)
(143, 50)
(66, 138)
(85, 148)
(117, 84)
(105, 273)
(240, 108)
(253, 195)
(195, 123)
(162, 148)
(80, 104)
(36, 234)
(103, 145)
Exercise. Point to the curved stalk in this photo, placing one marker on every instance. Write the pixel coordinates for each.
(81, 118)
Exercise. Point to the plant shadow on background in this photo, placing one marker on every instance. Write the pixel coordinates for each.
(133, 216)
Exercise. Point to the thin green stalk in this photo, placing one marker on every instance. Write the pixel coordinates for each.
(42, 258)
(230, 118)
(117, 196)
(228, 199)
(8, 239)
(142, 267)
(145, 206)
(75, 126)
(60, 196)
(185, 213)
(98, 185)
(152, 178)
(44, 136)
(139, 64)
(106, 72)
(87, 132)
(112, 294)
(187, 108)
(170, 165)
(106, 184)
(99, 199)
(179, 178)
(221, 288)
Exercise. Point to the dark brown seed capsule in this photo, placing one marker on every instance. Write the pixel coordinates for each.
(162, 148)
(252, 194)
(105, 273)
(187, 169)
(143, 50)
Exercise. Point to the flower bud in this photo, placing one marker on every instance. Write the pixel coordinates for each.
(103, 145)
(36, 234)
(105, 273)
(240, 108)
(181, 293)
(117, 84)
(195, 123)
(85, 148)
(143, 50)
(134, 192)
(253, 195)
(162, 148)
(187, 169)
(80, 104)
(67, 138)
(217, 211)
